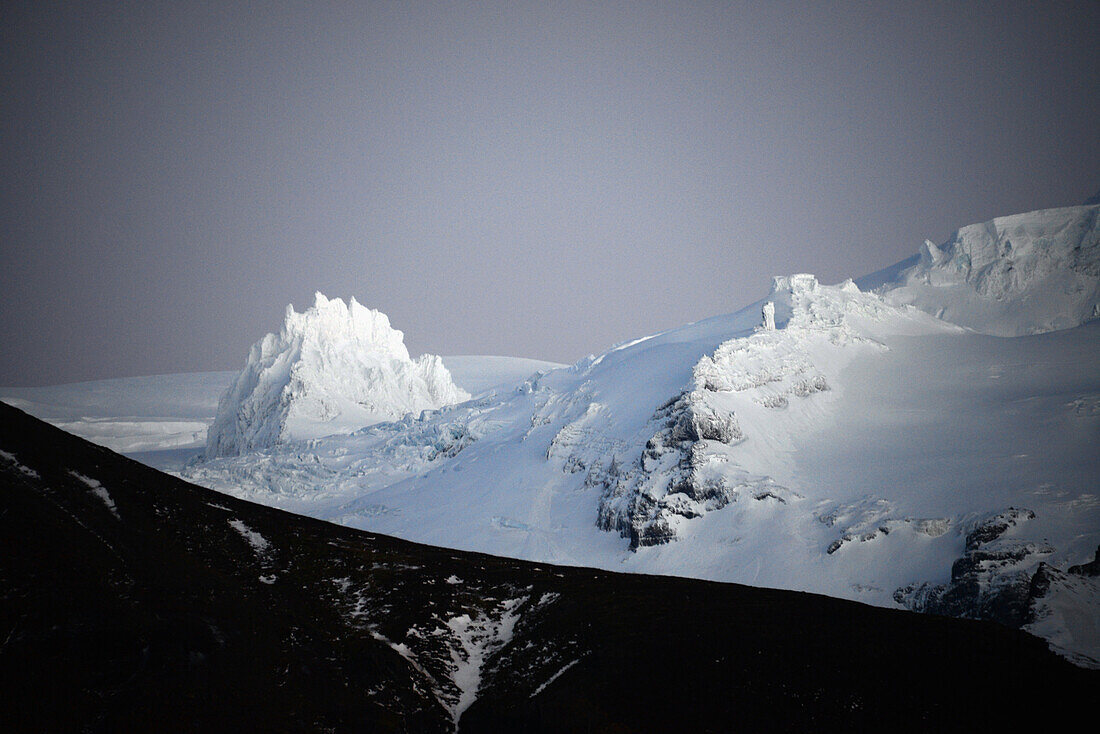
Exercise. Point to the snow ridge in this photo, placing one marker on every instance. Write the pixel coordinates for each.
(693, 461)
(332, 369)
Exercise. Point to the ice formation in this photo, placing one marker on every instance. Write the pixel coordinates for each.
(1024, 274)
(767, 314)
(333, 368)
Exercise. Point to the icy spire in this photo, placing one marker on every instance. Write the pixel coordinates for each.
(333, 368)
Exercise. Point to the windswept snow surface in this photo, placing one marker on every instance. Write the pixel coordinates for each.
(480, 375)
(852, 451)
(333, 368)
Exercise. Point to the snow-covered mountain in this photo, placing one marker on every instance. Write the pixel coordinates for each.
(864, 447)
(1025, 274)
(878, 440)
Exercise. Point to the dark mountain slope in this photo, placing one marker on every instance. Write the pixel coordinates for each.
(130, 600)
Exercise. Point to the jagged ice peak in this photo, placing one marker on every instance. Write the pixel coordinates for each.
(333, 368)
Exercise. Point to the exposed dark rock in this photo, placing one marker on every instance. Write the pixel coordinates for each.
(864, 537)
(691, 419)
(1041, 581)
(980, 561)
(996, 579)
(672, 459)
(1092, 568)
(996, 526)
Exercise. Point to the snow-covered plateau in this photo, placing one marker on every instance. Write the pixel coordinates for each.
(924, 437)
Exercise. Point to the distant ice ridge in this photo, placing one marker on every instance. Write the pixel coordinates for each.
(1024, 274)
(333, 368)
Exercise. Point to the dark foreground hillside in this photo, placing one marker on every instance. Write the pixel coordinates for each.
(130, 600)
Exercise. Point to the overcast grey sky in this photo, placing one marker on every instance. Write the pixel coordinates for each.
(538, 179)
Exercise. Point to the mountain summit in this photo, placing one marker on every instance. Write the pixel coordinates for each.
(333, 368)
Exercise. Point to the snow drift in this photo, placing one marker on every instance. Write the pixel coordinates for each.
(333, 368)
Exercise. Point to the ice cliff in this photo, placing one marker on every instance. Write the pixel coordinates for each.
(1023, 274)
(333, 368)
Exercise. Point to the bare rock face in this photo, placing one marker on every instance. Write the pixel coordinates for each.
(1092, 568)
(996, 526)
(683, 472)
(670, 481)
(994, 579)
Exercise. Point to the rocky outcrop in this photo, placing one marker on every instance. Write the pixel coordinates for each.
(673, 478)
(1092, 568)
(995, 579)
